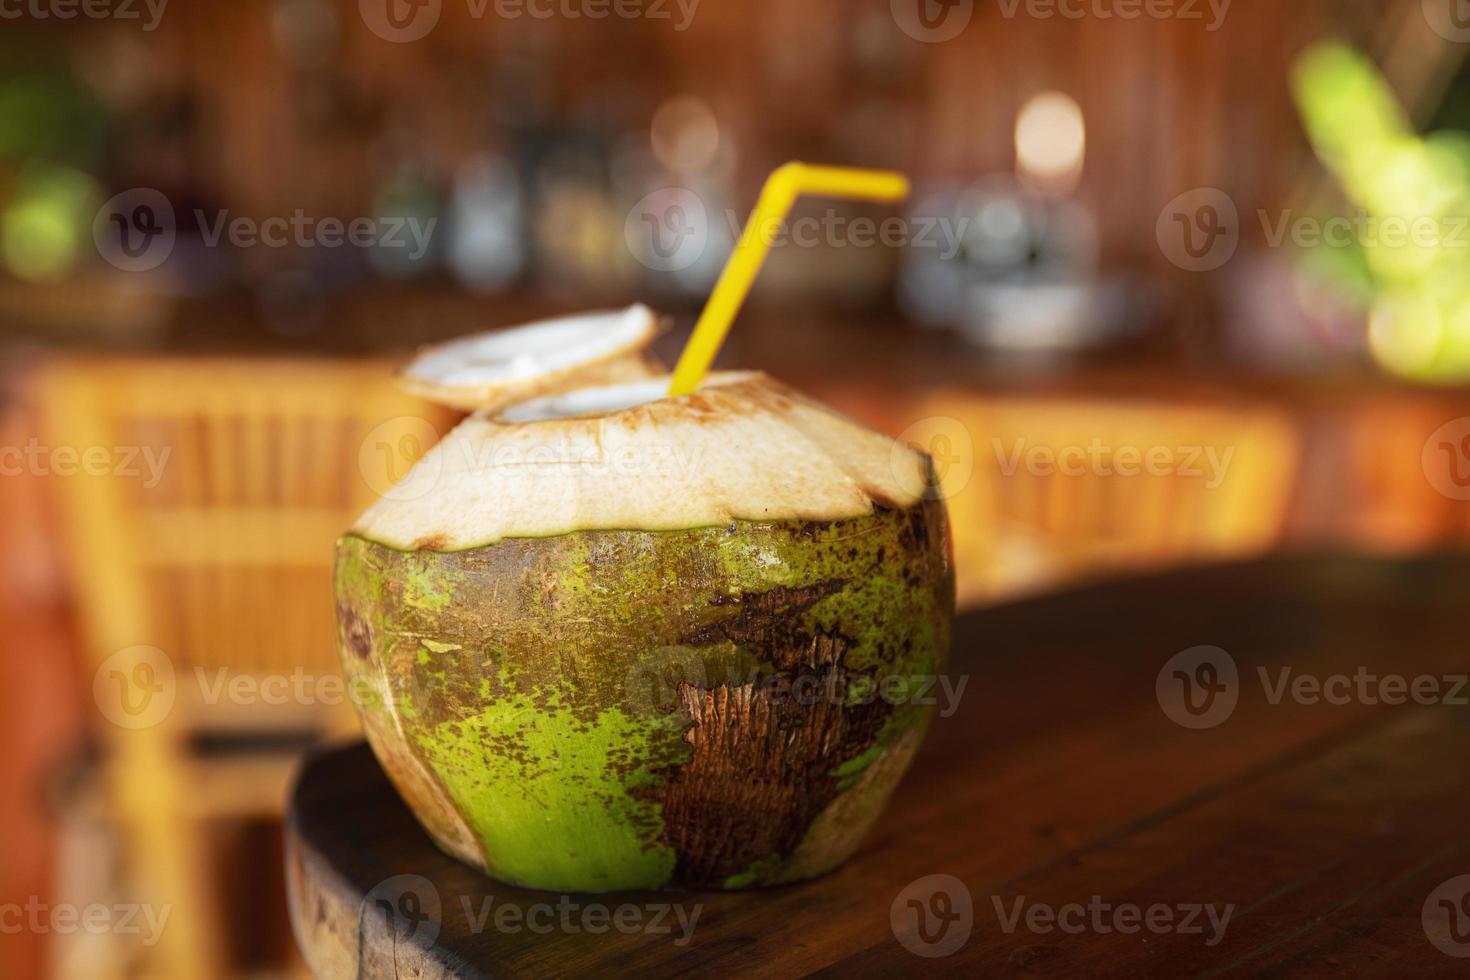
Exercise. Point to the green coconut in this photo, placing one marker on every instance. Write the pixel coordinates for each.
(613, 640)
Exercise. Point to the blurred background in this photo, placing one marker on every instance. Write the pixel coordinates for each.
(1178, 282)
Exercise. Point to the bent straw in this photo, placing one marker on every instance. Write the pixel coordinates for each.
(782, 188)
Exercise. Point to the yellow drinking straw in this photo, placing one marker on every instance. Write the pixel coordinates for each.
(780, 193)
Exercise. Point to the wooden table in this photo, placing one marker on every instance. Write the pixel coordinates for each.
(1060, 786)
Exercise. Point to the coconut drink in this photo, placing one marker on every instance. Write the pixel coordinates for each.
(608, 638)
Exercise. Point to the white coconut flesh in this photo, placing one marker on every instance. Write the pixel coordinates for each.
(627, 457)
(588, 401)
(489, 370)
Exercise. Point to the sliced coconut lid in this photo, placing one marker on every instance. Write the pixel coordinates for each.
(501, 367)
(627, 457)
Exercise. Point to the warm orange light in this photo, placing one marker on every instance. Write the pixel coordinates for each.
(685, 135)
(1051, 141)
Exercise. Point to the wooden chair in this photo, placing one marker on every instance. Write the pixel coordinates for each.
(216, 551)
(1022, 522)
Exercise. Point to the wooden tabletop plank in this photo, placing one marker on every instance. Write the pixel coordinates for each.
(1305, 852)
(1059, 777)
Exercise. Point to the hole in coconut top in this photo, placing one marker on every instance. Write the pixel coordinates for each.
(597, 402)
(533, 349)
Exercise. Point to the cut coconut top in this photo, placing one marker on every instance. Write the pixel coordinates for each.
(627, 457)
(493, 369)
